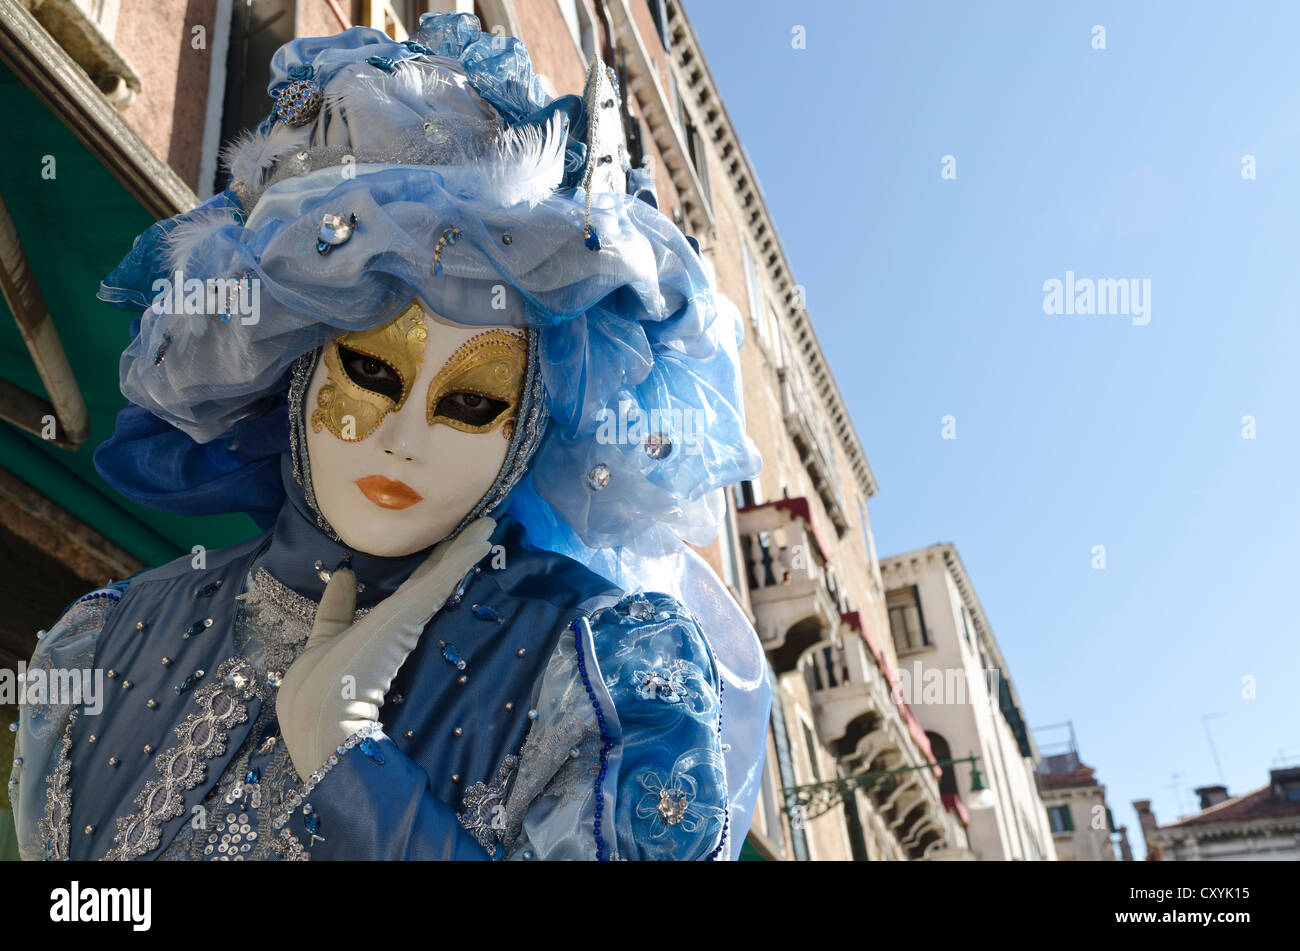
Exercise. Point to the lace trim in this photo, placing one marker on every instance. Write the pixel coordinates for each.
(299, 379)
(200, 738)
(287, 844)
(53, 827)
(268, 592)
(483, 810)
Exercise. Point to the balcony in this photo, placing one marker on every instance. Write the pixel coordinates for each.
(867, 728)
(849, 692)
(798, 410)
(795, 602)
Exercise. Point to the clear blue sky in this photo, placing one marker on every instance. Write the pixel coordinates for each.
(1071, 431)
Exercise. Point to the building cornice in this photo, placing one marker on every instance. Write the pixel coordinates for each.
(692, 66)
(1229, 828)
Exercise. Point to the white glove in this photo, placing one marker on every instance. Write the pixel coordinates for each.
(315, 716)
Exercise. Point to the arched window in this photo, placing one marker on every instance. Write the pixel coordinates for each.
(948, 781)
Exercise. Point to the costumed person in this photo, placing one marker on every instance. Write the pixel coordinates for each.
(483, 397)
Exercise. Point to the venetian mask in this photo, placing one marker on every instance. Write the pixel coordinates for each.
(408, 426)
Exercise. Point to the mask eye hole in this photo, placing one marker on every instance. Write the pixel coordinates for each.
(371, 373)
(472, 409)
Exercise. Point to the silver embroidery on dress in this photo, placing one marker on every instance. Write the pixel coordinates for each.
(58, 801)
(483, 810)
(272, 624)
(221, 705)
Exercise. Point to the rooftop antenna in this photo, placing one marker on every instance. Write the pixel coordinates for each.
(1179, 792)
(1205, 721)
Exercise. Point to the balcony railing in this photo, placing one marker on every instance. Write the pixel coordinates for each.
(796, 603)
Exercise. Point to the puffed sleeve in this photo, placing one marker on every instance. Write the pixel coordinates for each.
(45, 718)
(625, 760)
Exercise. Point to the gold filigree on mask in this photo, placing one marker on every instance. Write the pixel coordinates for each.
(351, 411)
(484, 371)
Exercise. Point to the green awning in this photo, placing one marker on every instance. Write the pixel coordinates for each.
(75, 227)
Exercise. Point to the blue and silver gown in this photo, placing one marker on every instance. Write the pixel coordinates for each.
(544, 714)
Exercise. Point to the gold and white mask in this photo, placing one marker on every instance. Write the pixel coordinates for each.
(408, 426)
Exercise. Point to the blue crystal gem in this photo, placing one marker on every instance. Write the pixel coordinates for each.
(451, 236)
(254, 775)
(312, 823)
(208, 590)
(485, 613)
(452, 656)
(371, 749)
(592, 240)
(437, 267)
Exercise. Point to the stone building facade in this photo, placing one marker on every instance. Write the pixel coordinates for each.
(953, 673)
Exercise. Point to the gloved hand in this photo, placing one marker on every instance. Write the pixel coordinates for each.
(315, 715)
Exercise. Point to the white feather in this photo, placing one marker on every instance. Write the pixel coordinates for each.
(253, 157)
(526, 164)
(184, 240)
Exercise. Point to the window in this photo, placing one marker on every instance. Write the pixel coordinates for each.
(868, 544)
(965, 625)
(745, 494)
(1060, 819)
(942, 751)
(659, 13)
(730, 550)
(755, 288)
(905, 621)
(579, 23)
(812, 752)
(772, 826)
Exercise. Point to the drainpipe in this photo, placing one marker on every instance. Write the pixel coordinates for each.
(23, 409)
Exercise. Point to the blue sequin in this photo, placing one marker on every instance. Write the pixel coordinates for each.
(452, 656)
(485, 613)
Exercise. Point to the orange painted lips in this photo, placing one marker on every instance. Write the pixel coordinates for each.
(388, 493)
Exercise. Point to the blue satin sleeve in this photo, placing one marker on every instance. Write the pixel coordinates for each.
(625, 761)
(663, 679)
(374, 804)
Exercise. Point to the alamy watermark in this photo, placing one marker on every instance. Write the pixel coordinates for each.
(1103, 297)
(222, 297)
(661, 431)
(53, 685)
(935, 686)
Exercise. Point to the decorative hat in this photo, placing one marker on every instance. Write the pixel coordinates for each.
(438, 167)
